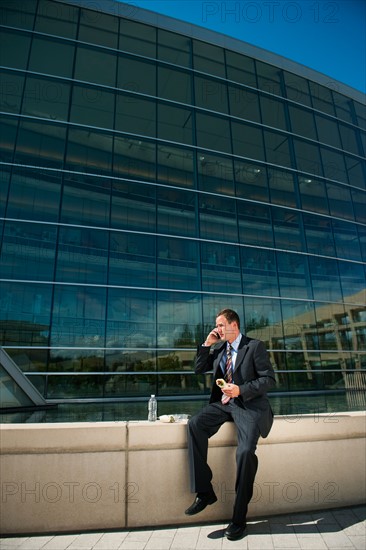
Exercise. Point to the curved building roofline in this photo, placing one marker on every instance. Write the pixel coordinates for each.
(148, 17)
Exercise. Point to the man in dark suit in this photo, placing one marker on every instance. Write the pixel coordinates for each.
(244, 365)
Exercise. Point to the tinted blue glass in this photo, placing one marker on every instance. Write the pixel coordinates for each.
(132, 259)
(89, 151)
(34, 195)
(82, 255)
(319, 234)
(353, 282)
(78, 316)
(133, 207)
(287, 230)
(86, 201)
(346, 241)
(25, 313)
(177, 263)
(259, 272)
(178, 319)
(131, 318)
(220, 264)
(11, 91)
(251, 181)
(134, 159)
(28, 251)
(255, 223)
(46, 98)
(293, 275)
(325, 279)
(218, 218)
(215, 173)
(175, 166)
(263, 319)
(40, 143)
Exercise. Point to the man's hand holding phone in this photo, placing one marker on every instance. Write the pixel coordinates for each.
(212, 338)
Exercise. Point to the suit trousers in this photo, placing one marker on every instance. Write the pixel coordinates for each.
(204, 425)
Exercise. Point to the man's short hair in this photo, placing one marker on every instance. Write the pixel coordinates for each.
(230, 315)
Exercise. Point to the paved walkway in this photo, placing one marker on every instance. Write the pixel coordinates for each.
(339, 529)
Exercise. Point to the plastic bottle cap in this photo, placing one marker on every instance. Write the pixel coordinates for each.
(152, 395)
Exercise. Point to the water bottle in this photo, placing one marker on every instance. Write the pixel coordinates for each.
(153, 409)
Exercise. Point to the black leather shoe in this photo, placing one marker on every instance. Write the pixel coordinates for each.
(235, 531)
(200, 502)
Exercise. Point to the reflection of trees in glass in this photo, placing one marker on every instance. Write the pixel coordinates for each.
(191, 337)
(254, 324)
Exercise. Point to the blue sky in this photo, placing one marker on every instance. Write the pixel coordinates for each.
(327, 36)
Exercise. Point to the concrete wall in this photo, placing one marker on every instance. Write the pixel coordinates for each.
(115, 475)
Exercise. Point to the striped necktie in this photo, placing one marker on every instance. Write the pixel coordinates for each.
(228, 376)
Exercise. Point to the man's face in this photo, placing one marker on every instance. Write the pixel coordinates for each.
(228, 331)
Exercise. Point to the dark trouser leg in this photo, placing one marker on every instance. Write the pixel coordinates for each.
(246, 461)
(200, 428)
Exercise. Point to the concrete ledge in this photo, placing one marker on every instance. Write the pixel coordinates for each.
(116, 475)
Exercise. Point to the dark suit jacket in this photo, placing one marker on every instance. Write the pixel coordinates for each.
(253, 374)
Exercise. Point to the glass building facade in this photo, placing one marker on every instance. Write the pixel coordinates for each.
(151, 176)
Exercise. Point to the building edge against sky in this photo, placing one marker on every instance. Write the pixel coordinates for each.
(154, 172)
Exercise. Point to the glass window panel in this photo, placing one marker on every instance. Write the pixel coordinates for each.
(46, 98)
(28, 251)
(307, 157)
(240, 68)
(297, 88)
(14, 49)
(177, 263)
(25, 313)
(281, 187)
(333, 165)
(259, 272)
(134, 115)
(69, 360)
(136, 75)
(82, 255)
(176, 212)
(131, 361)
(321, 98)
(302, 122)
(137, 38)
(362, 240)
(34, 195)
(215, 174)
(213, 133)
(131, 318)
(343, 107)
(102, 70)
(269, 78)
(78, 318)
(349, 139)
(178, 382)
(325, 279)
(277, 148)
(359, 205)
(356, 170)
(174, 85)
(247, 141)
(8, 137)
(286, 225)
(313, 195)
(175, 166)
(92, 107)
(251, 181)
(51, 56)
(273, 112)
(178, 319)
(31, 360)
(4, 188)
(244, 103)
(98, 28)
(255, 224)
(18, 14)
(174, 48)
(346, 240)
(220, 268)
(55, 18)
(80, 387)
(327, 326)
(340, 203)
(89, 151)
(208, 58)
(134, 159)
(218, 218)
(132, 258)
(360, 109)
(40, 143)
(210, 94)
(133, 207)
(174, 124)
(319, 236)
(84, 203)
(11, 92)
(353, 282)
(263, 320)
(292, 274)
(132, 386)
(328, 131)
